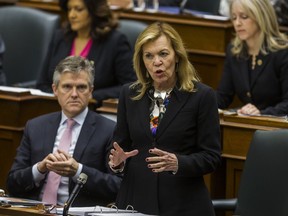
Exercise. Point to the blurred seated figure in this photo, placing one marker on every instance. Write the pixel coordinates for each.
(256, 64)
(2, 74)
(90, 31)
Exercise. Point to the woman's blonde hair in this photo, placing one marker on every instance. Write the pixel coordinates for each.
(186, 73)
(263, 13)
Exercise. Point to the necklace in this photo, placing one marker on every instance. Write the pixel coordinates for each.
(253, 61)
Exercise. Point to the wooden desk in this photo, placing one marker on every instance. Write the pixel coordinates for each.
(237, 135)
(50, 6)
(13, 211)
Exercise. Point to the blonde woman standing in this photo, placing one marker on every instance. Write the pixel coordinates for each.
(167, 135)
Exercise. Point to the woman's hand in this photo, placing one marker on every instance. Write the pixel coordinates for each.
(162, 161)
(118, 156)
(249, 109)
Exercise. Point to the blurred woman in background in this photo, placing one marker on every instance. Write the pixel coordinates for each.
(90, 32)
(256, 65)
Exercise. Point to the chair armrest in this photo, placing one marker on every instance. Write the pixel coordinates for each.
(225, 204)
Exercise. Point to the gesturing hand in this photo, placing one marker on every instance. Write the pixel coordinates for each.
(162, 161)
(118, 156)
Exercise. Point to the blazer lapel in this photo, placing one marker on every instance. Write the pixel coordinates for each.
(178, 99)
(87, 130)
(143, 107)
(261, 63)
(51, 132)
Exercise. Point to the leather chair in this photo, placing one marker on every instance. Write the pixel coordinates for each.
(263, 189)
(131, 28)
(27, 33)
(202, 6)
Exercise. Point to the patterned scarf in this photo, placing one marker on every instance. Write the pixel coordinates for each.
(159, 103)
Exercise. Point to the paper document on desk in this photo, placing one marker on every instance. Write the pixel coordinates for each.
(23, 90)
(13, 89)
(76, 210)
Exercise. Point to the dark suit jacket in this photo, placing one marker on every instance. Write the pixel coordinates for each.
(112, 59)
(190, 129)
(91, 150)
(268, 87)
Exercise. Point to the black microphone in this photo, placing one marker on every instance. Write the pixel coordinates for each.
(80, 182)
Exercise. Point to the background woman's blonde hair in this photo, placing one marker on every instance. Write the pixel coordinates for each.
(263, 13)
(186, 73)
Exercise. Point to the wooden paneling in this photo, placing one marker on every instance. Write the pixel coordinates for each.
(14, 211)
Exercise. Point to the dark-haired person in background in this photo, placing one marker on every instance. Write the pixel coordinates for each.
(2, 74)
(91, 33)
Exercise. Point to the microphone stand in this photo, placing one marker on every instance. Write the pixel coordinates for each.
(80, 182)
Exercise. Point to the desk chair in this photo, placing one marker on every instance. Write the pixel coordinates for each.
(131, 28)
(27, 33)
(263, 189)
(203, 6)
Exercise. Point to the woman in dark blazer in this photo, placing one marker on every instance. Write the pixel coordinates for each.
(167, 134)
(256, 65)
(91, 32)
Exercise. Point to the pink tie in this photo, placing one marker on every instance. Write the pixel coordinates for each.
(53, 179)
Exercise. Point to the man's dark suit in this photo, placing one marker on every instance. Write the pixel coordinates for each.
(91, 150)
(112, 57)
(189, 129)
(267, 88)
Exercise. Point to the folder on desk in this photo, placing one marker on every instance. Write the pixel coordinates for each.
(100, 211)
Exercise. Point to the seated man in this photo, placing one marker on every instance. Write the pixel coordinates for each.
(44, 154)
(2, 74)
